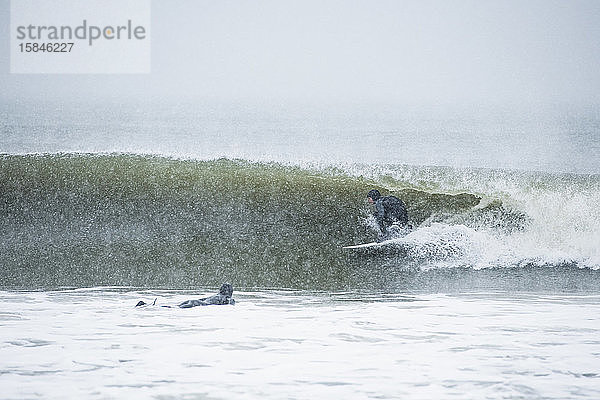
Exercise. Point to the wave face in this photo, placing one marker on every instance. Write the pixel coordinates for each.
(146, 221)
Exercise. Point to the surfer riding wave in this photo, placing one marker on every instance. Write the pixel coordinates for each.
(390, 214)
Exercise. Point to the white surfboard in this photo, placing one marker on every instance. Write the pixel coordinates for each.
(394, 242)
(362, 246)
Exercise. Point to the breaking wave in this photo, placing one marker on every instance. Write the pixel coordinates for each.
(122, 219)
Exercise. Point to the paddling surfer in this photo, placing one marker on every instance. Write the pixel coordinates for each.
(222, 298)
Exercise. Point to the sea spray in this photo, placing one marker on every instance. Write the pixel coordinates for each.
(544, 219)
(117, 219)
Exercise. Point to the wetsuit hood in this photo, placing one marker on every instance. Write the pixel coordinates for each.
(226, 290)
(374, 194)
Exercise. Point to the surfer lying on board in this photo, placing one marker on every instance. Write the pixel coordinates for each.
(224, 297)
(390, 214)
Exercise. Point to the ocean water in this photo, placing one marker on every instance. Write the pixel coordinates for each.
(494, 294)
(559, 138)
(92, 343)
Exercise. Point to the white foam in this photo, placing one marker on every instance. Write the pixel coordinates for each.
(563, 211)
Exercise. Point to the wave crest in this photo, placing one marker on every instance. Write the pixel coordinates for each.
(83, 220)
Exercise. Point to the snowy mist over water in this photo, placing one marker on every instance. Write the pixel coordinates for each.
(550, 139)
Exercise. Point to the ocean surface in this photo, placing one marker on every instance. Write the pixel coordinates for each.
(494, 294)
(274, 344)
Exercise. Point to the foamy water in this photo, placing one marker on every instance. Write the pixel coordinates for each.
(94, 344)
(563, 219)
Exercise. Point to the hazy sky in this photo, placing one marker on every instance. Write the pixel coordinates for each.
(439, 52)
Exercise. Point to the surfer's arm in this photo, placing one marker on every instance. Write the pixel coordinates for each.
(380, 212)
(191, 303)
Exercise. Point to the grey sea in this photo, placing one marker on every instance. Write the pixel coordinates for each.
(495, 293)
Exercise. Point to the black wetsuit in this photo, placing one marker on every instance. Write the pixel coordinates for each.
(390, 210)
(224, 297)
(217, 299)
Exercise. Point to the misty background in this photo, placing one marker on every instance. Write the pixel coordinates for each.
(461, 81)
